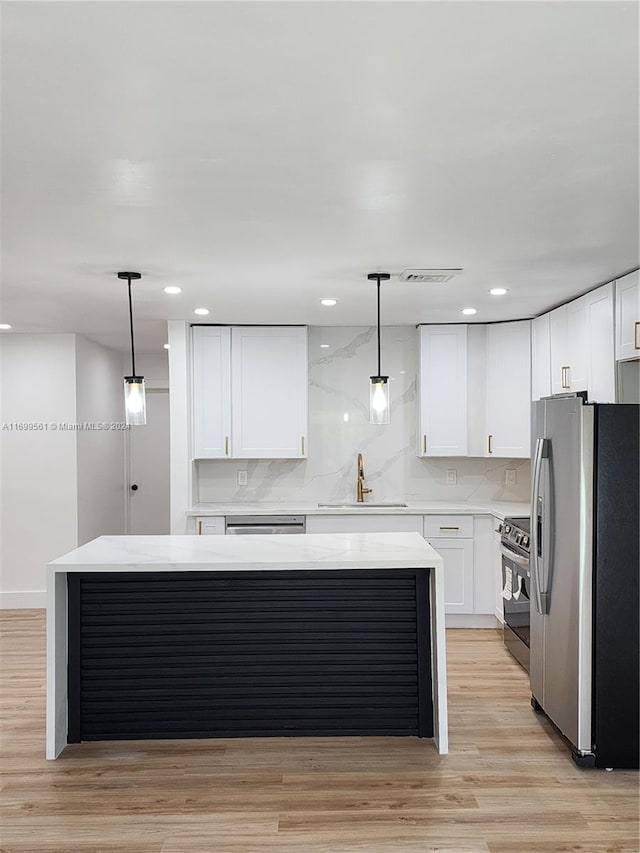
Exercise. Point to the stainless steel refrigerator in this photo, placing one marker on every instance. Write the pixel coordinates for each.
(585, 565)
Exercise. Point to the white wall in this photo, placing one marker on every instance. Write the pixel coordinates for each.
(339, 428)
(100, 452)
(38, 492)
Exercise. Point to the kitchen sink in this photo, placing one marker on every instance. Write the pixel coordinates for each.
(364, 505)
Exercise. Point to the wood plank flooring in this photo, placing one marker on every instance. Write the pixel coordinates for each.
(508, 783)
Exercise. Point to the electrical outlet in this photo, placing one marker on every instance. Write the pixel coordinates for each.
(242, 478)
(452, 476)
(510, 477)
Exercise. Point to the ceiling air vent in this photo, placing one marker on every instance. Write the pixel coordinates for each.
(427, 276)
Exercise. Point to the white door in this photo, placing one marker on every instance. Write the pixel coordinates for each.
(600, 352)
(211, 391)
(443, 390)
(578, 330)
(269, 386)
(559, 335)
(457, 559)
(628, 316)
(148, 463)
(509, 389)
(540, 357)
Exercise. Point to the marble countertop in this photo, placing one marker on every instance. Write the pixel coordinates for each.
(500, 509)
(220, 553)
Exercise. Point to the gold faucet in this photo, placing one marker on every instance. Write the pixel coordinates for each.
(360, 490)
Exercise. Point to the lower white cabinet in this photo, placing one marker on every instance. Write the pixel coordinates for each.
(210, 525)
(452, 537)
(457, 556)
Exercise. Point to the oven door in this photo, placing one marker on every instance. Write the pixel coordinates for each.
(516, 582)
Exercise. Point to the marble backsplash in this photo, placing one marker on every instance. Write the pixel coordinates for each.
(339, 429)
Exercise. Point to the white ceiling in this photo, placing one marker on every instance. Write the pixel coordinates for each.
(264, 155)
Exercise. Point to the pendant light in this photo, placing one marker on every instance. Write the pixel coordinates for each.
(134, 398)
(379, 404)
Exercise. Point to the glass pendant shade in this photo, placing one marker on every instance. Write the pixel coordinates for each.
(379, 403)
(134, 401)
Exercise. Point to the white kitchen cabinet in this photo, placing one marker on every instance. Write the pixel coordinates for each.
(443, 390)
(628, 317)
(210, 525)
(484, 579)
(582, 353)
(452, 537)
(600, 349)
(269, 392)
(211, 391)
(508, 389)
(540, 357)
(249, 392)
(457, 558)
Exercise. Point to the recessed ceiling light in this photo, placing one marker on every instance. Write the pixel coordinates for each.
(469, 310)
(172, 290)
(5, 326)
(328, 302)
(201, 311)
(498, 291)
(167, 346)
(324, 346)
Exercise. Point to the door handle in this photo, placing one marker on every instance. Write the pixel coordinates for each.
(490, 444)
(565, 377)
(537, 511)
(636, 337)
(134, 487)
(226, 445)
(424, 445)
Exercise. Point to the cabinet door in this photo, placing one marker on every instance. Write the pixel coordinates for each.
(601, 384)
(457, 557)
(628, 317)
(540, 357)
(211, 391)
(578, 331)
(559, 336)
(443, 391)
(269, 392)
(509, 389)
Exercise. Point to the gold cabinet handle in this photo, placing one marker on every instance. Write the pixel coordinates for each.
(302, 445)
(199, 528)
(226, 445)
(449, 528)
(565, 377)
(424, 444)
(490, 444)
(636, 341)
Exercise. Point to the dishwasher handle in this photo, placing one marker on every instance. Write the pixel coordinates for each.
(264, 529)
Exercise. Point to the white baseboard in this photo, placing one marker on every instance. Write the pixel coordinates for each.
(23, 599)
(471, 620)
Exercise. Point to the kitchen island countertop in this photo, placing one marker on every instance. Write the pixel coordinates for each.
(296, 556)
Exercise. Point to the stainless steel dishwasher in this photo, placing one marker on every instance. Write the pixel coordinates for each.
(251, 524)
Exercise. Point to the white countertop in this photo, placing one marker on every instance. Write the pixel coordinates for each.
(500, 509)
(219, 553)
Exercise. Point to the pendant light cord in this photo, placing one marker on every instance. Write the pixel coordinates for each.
(133, 352)
(378, 327)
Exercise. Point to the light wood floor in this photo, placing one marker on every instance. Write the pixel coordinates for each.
(507, 785)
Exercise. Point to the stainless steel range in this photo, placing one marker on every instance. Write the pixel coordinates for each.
(515, 534)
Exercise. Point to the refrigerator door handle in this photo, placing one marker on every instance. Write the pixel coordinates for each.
(541, 452)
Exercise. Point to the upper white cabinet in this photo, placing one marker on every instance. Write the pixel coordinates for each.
(581, 334)
(249, 392)
(508, 389)
(211, 391)
(540, 357)
(628, 317)
(443, 390)
(269, 392)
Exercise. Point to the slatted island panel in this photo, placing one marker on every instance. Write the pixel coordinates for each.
(180, 637)
(205, 654)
